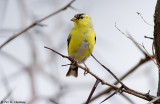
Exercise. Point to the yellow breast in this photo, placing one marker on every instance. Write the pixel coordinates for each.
(81, 39)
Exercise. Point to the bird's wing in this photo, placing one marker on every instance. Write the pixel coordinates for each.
(68, 40)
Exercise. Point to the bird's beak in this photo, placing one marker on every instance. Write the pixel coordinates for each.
(74, 19)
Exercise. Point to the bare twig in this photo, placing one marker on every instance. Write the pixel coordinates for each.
(143, 19)
(53, 101)
(115, 92)
(146, 52)
(35, 23)
(92, 91)
(137, 45)
(127, 35)
(152, 58)
(69, 58)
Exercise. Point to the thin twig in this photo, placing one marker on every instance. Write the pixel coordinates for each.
(152, 58)
(137, 45)
(71, 59)
(115, 92)
(53, 101)
(143, 19)
(35, 23)
(127, 35)
(92, 91)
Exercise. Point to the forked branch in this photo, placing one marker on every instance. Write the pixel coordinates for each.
(147, 96)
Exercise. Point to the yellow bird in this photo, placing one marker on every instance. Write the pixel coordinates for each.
(81, 39)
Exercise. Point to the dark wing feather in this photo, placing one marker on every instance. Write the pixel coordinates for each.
(68, 40)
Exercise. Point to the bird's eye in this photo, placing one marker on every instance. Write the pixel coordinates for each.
(81, 17)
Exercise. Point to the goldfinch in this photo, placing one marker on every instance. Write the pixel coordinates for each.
(81, 41)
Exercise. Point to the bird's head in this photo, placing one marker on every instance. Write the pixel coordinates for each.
(82, 20)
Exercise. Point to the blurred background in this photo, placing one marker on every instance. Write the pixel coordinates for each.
(34, 74)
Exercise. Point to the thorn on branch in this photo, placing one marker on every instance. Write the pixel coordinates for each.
(148, 37)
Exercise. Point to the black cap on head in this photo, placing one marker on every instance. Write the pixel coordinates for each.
(79, 16)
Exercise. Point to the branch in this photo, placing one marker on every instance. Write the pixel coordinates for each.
(36, 23)
(147, 96)
(141, 62)
(154, 100)
(157, 38)
(110, 72)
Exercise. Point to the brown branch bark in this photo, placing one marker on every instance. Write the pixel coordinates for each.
(36, 23)
(157, 37)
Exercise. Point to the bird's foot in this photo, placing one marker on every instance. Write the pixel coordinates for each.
(86, 69)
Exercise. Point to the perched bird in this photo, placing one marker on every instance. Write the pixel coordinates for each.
(81, 41)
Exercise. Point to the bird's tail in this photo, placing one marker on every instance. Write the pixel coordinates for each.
(73, 71)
